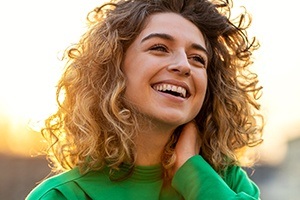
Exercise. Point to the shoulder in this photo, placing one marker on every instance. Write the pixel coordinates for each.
(57, 186)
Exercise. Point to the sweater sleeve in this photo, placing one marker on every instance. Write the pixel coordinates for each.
(196, 179)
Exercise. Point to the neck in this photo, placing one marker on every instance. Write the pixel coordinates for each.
(150, 145)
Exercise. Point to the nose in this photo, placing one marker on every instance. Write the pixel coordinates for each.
(180, 65)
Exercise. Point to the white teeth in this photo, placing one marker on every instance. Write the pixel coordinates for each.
(173, 88)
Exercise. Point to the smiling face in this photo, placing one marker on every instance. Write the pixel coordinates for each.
(165, 67)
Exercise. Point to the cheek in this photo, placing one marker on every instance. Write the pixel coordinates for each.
(135, 85)
(201, 83)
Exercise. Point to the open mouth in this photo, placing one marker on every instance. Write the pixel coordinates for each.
(174, 90)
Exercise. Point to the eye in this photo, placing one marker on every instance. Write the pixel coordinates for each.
(200, 60)
(159, 47)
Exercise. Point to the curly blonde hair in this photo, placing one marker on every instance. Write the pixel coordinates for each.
(95, 127)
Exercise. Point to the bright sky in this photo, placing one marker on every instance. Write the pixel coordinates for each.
(33, 34)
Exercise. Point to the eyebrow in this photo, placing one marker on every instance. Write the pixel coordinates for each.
(171, 38)
(158, 35)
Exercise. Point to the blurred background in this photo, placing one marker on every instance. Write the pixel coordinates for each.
(33, 35)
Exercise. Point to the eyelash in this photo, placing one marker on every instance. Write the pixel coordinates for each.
(163, 48)
(159, 47)
(198, 58)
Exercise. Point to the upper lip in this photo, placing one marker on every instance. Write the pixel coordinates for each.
(175, 83)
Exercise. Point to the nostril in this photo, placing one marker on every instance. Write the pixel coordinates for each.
(182, 70)
(188, 73)
(175, 70)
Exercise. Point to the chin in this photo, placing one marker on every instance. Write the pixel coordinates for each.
(176, 122)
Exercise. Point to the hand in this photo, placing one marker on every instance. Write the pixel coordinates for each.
(188, 145)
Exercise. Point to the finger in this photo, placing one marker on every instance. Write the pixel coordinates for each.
(188, 144)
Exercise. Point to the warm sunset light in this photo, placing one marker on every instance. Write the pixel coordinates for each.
(33, 36)
(34, 33)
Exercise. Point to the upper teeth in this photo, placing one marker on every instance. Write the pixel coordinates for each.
(173, 88)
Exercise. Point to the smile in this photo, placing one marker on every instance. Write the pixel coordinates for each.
(171, 89)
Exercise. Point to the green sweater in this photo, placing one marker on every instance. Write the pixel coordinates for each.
(196, 179)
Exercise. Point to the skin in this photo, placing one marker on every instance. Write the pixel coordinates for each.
(164, 54)
(188, 145)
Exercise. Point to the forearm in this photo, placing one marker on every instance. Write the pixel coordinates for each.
(196, 179)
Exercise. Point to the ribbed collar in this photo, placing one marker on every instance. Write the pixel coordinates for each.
(139, 173)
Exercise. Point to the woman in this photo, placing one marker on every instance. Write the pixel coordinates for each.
(156, 102)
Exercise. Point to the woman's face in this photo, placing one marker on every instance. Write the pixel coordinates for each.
(165, 67)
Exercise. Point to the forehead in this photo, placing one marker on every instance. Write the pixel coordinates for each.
(172, 24)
